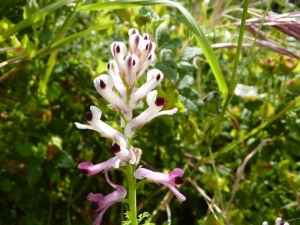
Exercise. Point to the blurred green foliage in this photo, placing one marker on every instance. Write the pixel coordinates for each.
(49, 54)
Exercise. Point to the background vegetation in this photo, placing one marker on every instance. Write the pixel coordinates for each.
(243, 153)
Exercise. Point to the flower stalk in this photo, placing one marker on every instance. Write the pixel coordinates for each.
(132, 194)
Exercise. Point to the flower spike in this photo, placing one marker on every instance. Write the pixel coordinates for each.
(155, 105)
(104, 86)
(169, 180)
(154, 78)
(96, 124)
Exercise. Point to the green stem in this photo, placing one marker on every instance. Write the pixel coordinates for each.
(269, 88)
(283, 88)
(132, 194)
(233, 80)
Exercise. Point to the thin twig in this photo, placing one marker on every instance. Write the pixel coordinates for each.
(240, 171)
(208, 199)
(15, 60)
(169, 214)
(9, 73)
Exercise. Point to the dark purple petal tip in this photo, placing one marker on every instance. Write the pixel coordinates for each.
(158, 77)
(115, 148)
(89, 116)
(84, 168)
(102, 85)
(84, 172)
(94, 206)
(118, 49)
(178, 180)
(160, 101)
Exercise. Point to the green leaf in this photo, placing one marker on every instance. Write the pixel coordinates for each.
(164, 40)
(148, 12)
(190, 98)
(166, 54)
(235, 216)
(25, 149)
(173, 43)
(45, 36)
(54, 91)
(5, 185)
(186, 81)
(40, 151)
(151, 14)
(186, 67)
(34, 172)
(67, 162)
(162, 35)
(168, 67)
(190, 53)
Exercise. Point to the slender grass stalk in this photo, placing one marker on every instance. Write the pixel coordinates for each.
(234, 70)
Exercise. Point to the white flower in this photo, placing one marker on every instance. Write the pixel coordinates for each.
(113, 72)
(131, 65)
(119, 148)
(96, 124)
(143, 47)
(155, 105)
(104, 85)
(246, 92)
(118, 50)
(154, 78)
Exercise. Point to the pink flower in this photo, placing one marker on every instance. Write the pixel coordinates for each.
(169, 180)
(101, 203)
(89, 169)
